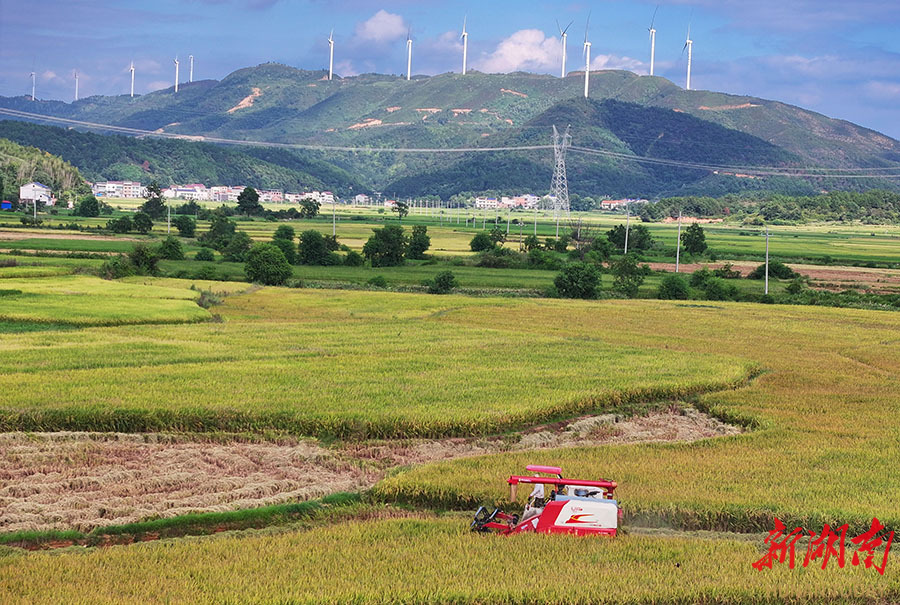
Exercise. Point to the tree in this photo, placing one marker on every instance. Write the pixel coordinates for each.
(531, 242)
(442, 283)
(170, 249)
(88, 206)
(694, 240)
(673, 287)
(119, 225)
(639, 237)
(237, 249)
(267, 265)
(204, 254)
(354, 259)
(221, 230)
(578, 280)
(401, 208)
(313, 249)
(248, 201)
(309, 208)
(497, 235)
(716, 288)
(386, 247)
(777, 269)
(419, 242)
(142, 222)
(482, 241)
(185, 225)
(285, 232)
(628, 275)
(144, 259)
(154, 207)
(287, 248)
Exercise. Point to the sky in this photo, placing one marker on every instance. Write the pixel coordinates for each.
(840, 58)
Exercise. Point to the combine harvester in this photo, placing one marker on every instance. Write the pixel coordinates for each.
(574, 506)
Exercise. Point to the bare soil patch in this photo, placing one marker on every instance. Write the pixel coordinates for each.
(88, 480)
(20, 235)
(247, 101)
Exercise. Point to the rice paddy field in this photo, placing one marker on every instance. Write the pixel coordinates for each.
(300, 375)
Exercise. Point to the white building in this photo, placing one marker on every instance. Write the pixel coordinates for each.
(34, 191)
(123, 189)
(487, 203)
(362, 199)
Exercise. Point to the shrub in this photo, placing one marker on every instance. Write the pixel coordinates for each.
(185, 225)
(700, 277)
(354, 259)
(142, 222)
(88, 206)
(628, 275)
(386, 247)
(267, 265)
(727, 271)
(312, 249)
(531, 242)
(221, 230)
(378, 281)
(716, 288)
(144, 259)
(500, 258)
(776, 269)
(419, 242)
(204, 254)
(542, 259)
(285, 232)
(116, 267)
(119, 225)
(170, 249)
(796, 286)
(673, 287)
(578, 280)
(205, 272)
(561, 244)
(237, 249)
(287, 248)
(442, 283)
(482, 241)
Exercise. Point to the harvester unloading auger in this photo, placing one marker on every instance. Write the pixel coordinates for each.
(572, 506)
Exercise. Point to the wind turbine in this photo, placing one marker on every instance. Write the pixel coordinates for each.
(32, 86)
(176, 74)
(132, 79)
(465, 38)
(408, 54)
(587, 58)
(191, 71)
(331, 55)
(76, 84)
(564, 37)
(653, 40)
(689, 45)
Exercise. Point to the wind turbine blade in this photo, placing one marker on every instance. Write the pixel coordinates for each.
(653, 20)
(568, 26)
(586, 26)
(559, 27)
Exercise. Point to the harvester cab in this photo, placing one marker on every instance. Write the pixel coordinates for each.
(556, 506)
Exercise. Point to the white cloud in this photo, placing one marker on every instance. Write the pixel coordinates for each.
(617, 62)
(525, 50)
(885, 91)
(382, 27)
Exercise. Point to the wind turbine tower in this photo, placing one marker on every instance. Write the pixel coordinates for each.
(331, 55)
(408, 55)
(132, 79)
(587, 59)
(76, 84)
(176, 74)
(564, 36)
(191, 70)
(32, 86)
(465, 39)
(652, 31)
(689, 45)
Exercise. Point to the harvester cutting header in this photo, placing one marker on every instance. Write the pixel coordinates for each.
(572, 506)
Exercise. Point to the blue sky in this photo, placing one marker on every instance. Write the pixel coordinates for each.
(841, 58)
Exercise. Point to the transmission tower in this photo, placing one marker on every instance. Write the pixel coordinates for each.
(559, 186)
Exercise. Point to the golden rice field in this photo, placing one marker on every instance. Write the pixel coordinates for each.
(334, 363)
(827, 409)
(431, 560)
(87, 300)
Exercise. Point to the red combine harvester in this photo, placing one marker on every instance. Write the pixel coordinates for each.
(572, 506)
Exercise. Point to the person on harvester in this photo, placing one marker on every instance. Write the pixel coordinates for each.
(535, 504)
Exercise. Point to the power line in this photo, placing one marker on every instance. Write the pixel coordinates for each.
(799, 172)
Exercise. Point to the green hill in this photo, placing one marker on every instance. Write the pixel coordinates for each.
(20, 165)
(276, 103)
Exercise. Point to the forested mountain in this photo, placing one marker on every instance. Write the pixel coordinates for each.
(20, 165)
(639, 115)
